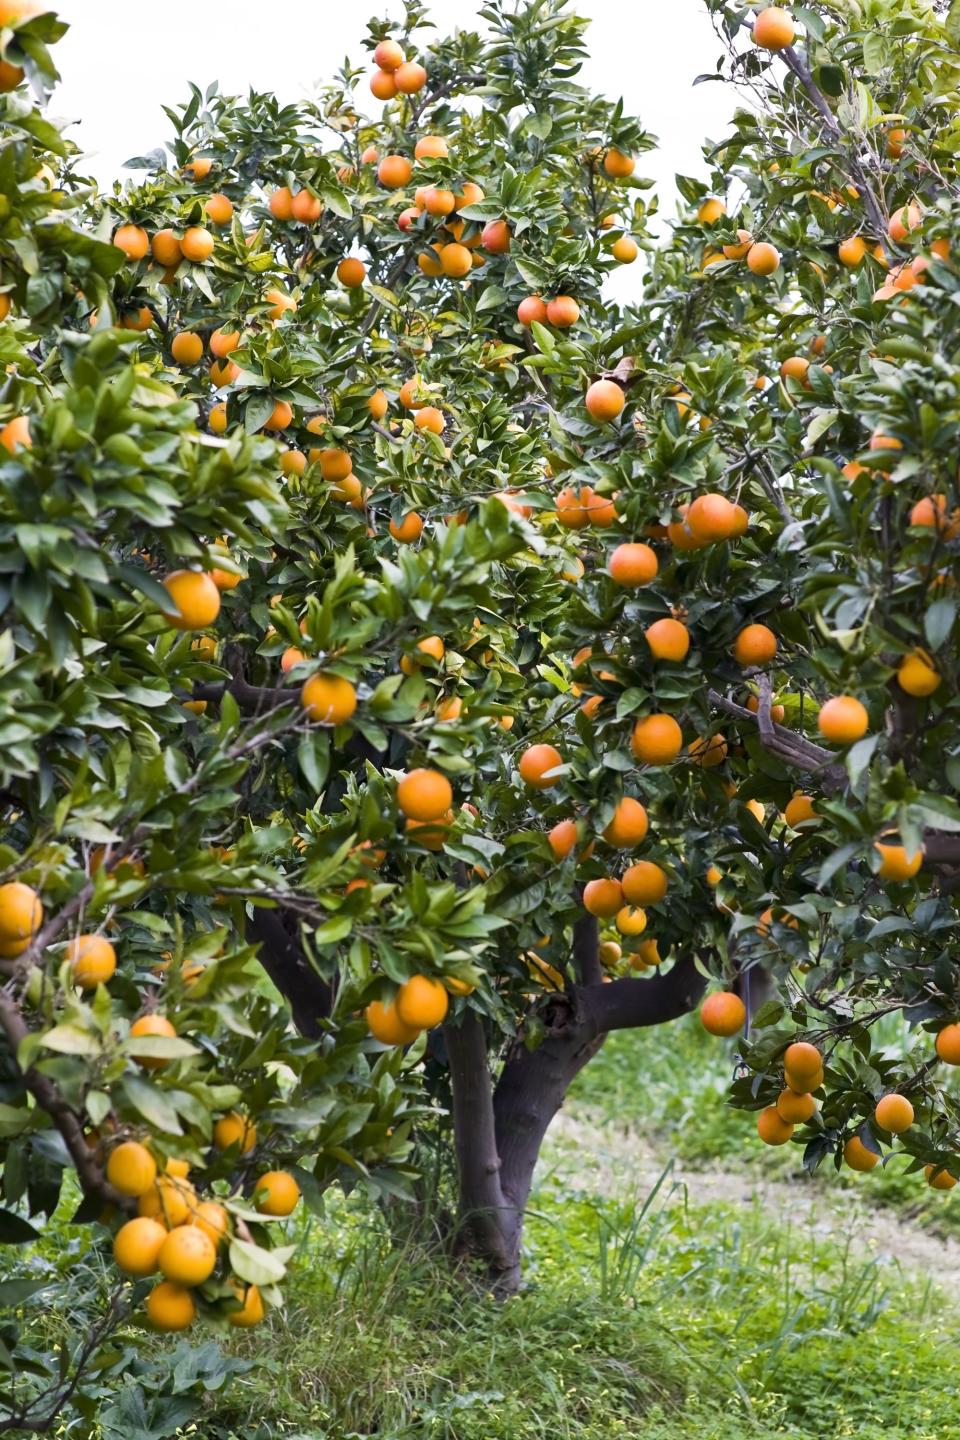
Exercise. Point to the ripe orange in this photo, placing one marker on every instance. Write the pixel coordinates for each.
(212, 1219)
(394, 171)
(431, 147)
(306, 207)
(850, 252)
(799, 810)
(195, 599)
(773, 29)
(628, 826)
(280, 303)
(644, 883)
(21, 915)
(328, 699)
(93, 960)
(571, 512)
(903, 221)
(383, 85)
(562, 838)
(199, 167)
(293, 462)
(388, 55)
(150, 1025)
(843, 719)
(771, 1128)
(795, 1109)
(896, 864)
(742, 247)
(351, 272)
(217, 419)
(281, 203)
(948, 1044)
(378, 404)
(428, 417)
(894, 1113)
(755, 645)
(530, 309)
(802, 1059)
(656, 740)
(16, 434)
(170, 1307)
(422, 1002)
(723, 1013)
(708, 751)
(711, 517)
(603, 897)
(276, 1193)
(763, 259)
(495, 237)
(631, 920)
(917, 674)
(386, 1026)
(235, 1129)
(10, 76)
(609, 952)
(166, 249)
(456, 261)
(424, 795)
(188, 1255)
(280, 416)
(335, 464)
(186, 348)
(618, 165)
(410, 77)
(563, 311)
(197, 244)
(219, 208)
(939, 1179)
(131, 1168)
(251, 1310)
(168, 1201)
(223, 342)
(858, 1157)
(132, 240)
(536, 763)
(796, 367)
(136, 1245)
(604, 401)
(409, 529)
(711, 211)
(668, 639)
(632, 564)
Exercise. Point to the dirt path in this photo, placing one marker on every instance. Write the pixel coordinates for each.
(588, 1152)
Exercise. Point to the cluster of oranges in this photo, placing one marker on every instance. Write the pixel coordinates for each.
(395, 74)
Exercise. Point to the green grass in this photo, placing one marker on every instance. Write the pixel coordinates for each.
(669, 1085)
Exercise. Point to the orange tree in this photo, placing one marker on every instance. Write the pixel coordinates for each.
(404, 641)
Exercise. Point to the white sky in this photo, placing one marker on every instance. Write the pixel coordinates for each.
(121, 61)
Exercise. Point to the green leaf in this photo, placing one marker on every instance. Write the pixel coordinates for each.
(152, 1103)
(254, 1264)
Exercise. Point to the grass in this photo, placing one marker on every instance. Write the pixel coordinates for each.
(669, 1085)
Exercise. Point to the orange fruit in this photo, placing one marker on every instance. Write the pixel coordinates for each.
(16, 434)
(850, 252)
(668, 639)
(170, 1307)
(723, 1013)
(711, 211)
(896, 864)
(280, 416)
(383, 85)
(186, 348)
(280, 303)
(306, 207)
(711, 517)
(197, 244)
(422, 1002)
(386, 1026)
(195, 598)
(530, 309)
(152, 1025)
(948, 1044)
(603, 898)
(796, 367)
(281, 203)
(632, 564)
(251, 1309)
(388, 55)
(628, 825)
(771, 1128)
(644, 883)
(562, 838)
(903, 221)
(351, 272)
(858, 1157)
(894, 1113)
(378, 404)
(328, 699)
(219, 208)
(409, 529)
(217, 418)
(166, 249)
(276, 1193)
(604, 401)
(168, 1200)
(211, 1218)
(10, 76)
(536, 763)
(938, 1178)
(293, 462)
(795, 1109)
(802, 1059)
(188, 1256)
(843, 719)
(136, 1245)
(656, 740)
(799, 810)
(618, 165)
(21, 915)
(740, 250)
(131, 1168)
(431, 147)
(428, 417)
(199, 167)
(631, 920)
(410, 77)
(424, 795)
(763, 259)
(495, 237)
(773, 29)
(917, 675)
(708, 751)
(394, 171)
(563, 311)
(571, 513)
(456, 261)
(132, 240)
(755, 645)
(223, 342)
(235, 1129)
(93, 960)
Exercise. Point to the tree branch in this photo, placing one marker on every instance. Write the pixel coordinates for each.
(634, 1004)
(287, 964)
(586, 950)
(482, 1203)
